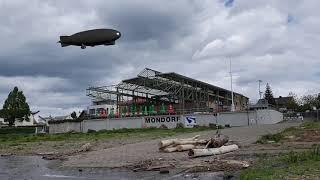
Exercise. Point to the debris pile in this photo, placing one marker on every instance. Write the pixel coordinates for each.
(198, 147)
(152, 165)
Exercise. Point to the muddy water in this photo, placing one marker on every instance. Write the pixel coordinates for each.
(35, 168)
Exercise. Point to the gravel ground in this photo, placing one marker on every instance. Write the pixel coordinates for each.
(133, 153)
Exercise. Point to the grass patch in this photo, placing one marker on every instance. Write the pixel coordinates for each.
(17, 130)
(310, 125)
(294, 165)
(270, 137)
(292, 131)
(149, 133)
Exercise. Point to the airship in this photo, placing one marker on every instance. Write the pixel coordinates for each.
(91, 38)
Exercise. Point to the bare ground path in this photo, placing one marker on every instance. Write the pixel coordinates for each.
(128, 154)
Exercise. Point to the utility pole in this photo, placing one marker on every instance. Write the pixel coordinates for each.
(232, 103)
(260, 93)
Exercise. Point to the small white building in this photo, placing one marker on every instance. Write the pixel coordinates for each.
(30, 122)
(3, 123)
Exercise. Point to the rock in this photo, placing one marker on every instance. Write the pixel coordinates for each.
(45, 153)
(290, 137)
(164, 171)
(49, 157)
(85, 147)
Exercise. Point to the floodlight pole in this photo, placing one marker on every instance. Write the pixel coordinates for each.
(260, 93)
(232, 103)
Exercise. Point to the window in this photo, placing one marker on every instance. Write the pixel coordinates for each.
(92, 111)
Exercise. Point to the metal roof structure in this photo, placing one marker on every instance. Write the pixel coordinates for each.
(172, 87)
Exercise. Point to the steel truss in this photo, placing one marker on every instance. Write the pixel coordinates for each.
(170, 87)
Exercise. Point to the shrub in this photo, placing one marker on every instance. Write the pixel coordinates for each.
(270, 137)
(91, 131)
(163, 126)
(180, 125)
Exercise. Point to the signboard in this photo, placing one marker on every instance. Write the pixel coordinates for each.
(190, 121)
(161, 119)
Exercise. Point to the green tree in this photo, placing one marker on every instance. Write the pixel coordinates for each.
(15, 107)
(293, 104)
(268, 95)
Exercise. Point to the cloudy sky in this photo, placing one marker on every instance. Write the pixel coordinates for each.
(275, 41)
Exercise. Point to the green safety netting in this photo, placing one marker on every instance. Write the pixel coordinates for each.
(163, 109)
(133, 110)
(124, 111)
(145, 110)
(111, 112)
(151, 110)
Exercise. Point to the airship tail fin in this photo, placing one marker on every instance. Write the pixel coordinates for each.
(64, 41)
(64, 45)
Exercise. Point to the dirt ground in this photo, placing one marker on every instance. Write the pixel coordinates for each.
(137, 154)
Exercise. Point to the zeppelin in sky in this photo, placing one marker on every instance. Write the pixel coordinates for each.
(91, 38)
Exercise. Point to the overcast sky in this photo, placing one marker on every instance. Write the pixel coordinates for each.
(275, 41)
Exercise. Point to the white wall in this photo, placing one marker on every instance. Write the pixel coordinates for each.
(268, 116)
(134, 122)
(94, 124)
(237, 118)
(171, 121)
(205, 119)
(64, 127)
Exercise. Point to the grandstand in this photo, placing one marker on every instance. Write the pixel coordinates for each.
(153, 92)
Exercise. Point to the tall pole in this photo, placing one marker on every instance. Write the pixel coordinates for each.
(232, 103)
(260, 93)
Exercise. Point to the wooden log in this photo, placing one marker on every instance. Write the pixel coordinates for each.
(185, 147)
(181, 142)
(157, 168)
(170, 149)
(217, 141)
(168, 142)
(212, 151)
(165, 143)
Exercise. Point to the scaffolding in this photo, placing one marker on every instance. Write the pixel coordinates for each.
(151, 86)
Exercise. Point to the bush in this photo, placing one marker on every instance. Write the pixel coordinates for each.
(163, 126)
(17, 130)
(91, 131)
(270, 137)
(296, 157)
(180, 125)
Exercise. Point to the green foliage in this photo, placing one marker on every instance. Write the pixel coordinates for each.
(100, 135)
(15, 107)
(311, 125)
(294, 157)
(17, 130)
(293, 104)
(288, 132)
(270, 137)
(292, 165)
(268, 95)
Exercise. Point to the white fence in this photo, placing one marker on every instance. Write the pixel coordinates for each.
(231, 118)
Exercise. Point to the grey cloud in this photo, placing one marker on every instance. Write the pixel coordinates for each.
(166, 36)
